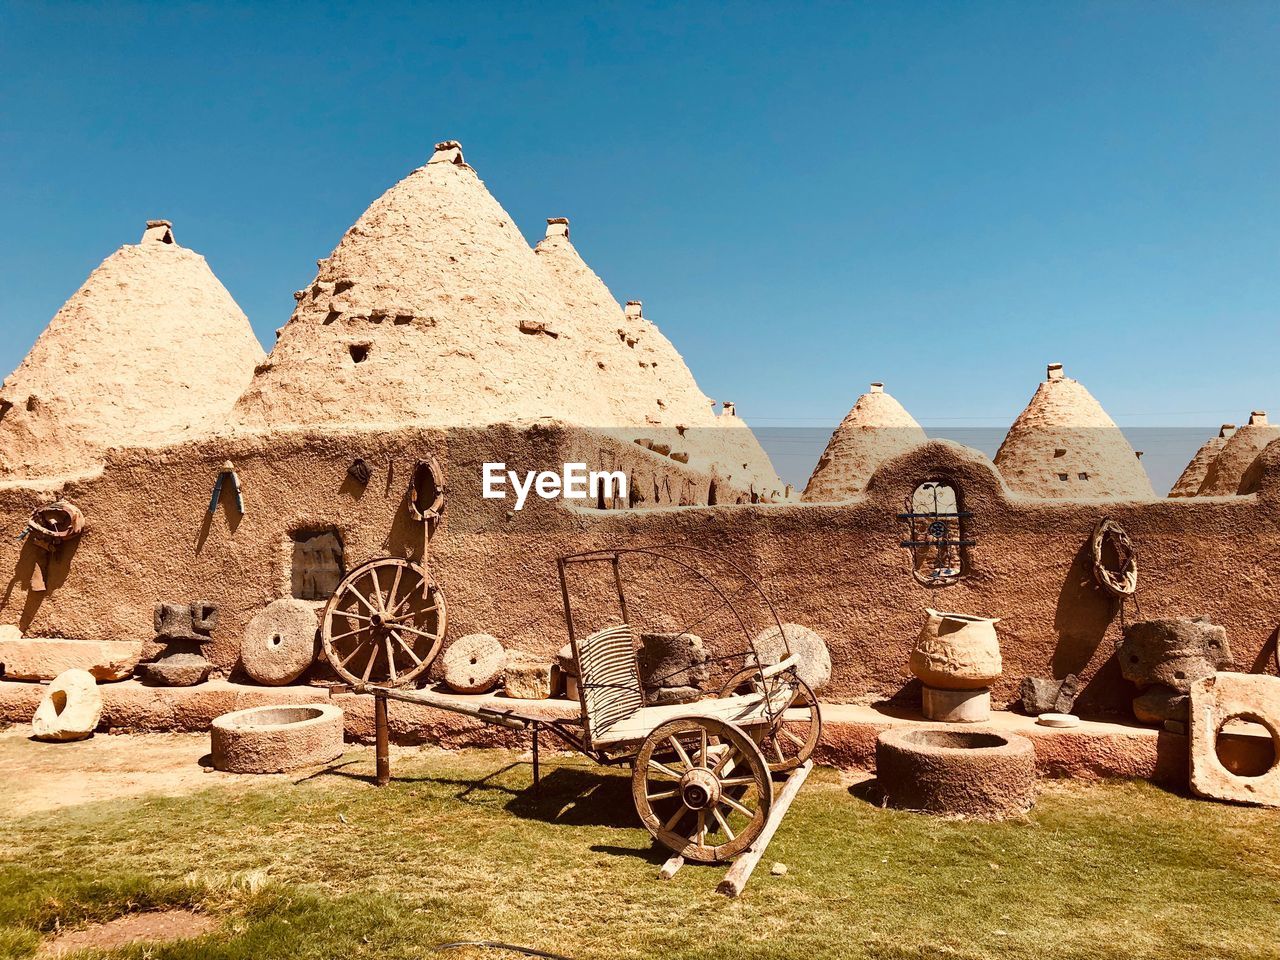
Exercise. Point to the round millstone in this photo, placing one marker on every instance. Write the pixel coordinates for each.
(814, 660)
(1058, 720)
(280, 642)
(474, 663)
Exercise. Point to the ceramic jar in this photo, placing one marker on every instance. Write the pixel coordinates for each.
(956, 651)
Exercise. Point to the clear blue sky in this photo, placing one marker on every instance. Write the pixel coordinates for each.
(943, 196)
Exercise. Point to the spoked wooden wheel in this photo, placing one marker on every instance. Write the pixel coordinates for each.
(794, 735)
(384, 623)
(702, 788)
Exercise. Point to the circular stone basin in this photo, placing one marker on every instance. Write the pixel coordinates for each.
(276, 739)
(966, 773)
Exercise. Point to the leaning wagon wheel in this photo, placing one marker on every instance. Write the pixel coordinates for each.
(384, 623)
(702, 788)
(795, 734)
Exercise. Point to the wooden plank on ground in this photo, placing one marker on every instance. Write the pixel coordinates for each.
(670, 867)
(735, 881)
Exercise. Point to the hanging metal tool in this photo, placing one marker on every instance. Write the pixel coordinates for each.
(228, 470)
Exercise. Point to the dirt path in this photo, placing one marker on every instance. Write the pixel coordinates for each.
(47, 776)
(159, 927)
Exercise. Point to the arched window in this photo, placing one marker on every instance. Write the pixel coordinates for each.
(937, 534)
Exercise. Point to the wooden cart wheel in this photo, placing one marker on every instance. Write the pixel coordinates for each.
(702, 788)
(384, 623)
(794, 736)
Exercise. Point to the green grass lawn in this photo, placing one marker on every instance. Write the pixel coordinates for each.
(457, 848)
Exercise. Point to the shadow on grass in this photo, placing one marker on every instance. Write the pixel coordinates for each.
(567, 796)
(576, 797)
(655, 854)
(870, 792)
(339, 770)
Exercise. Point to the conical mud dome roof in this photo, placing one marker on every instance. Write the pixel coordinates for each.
(877, 429)
(432, 309)
(1064, 446)
(1228, 469)
(151, 345)
(1188, 484)
(649, 388)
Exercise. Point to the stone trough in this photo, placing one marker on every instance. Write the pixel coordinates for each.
(277, 739)
(980, 773)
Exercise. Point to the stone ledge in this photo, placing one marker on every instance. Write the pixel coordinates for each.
(131, 706)
(45, 658)
(1093, 750)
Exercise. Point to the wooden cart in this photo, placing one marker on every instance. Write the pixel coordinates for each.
(703, 778)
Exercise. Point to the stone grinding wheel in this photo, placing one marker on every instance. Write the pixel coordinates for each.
(280, 642)
(814, 660)
(474, 663)
(71, 708)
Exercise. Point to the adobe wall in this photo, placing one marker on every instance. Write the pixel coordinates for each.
(150, 536)
(837, 569)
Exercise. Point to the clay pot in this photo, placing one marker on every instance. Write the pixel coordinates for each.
(957, 652)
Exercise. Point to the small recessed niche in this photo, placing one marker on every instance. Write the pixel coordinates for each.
(359, 352)
(316, 563)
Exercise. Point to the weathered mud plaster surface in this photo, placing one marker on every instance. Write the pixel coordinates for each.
(1229, 472)
(1065, 446)
(837, 569)
(434, 309)
(877, 429)
(151, 347)
(1192, 477)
